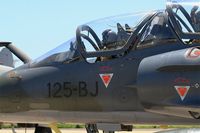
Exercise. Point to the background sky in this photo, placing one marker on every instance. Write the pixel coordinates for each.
(37, 26)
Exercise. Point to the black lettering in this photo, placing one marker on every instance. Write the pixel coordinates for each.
(67, 89)
(49, 89)
(83, 89)
(57, 87)
(95, 94)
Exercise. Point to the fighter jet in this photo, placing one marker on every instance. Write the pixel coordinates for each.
(138, 68)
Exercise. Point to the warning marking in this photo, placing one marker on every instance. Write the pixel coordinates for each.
(106, 78)
(182, 91)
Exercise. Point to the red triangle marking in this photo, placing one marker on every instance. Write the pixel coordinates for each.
(182, 91)
(106, 78)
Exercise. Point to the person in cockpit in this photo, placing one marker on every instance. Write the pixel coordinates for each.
(112, 40)
(195, 16)
(109, 42)
(109, 39)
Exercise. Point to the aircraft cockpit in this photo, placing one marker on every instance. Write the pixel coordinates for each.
(114, 37)
(108, 33)
(104, 37)
(109, 38)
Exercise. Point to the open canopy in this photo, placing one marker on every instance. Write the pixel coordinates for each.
(185, 17)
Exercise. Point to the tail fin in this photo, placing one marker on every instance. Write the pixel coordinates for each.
(6, 58)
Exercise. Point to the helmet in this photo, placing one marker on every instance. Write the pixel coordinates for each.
(109, 37)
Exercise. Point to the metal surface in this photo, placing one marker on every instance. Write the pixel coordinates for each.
(149, 75)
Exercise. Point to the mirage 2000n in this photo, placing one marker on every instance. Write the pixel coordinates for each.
(131, 69)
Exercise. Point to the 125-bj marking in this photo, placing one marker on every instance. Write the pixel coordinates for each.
(64, 89)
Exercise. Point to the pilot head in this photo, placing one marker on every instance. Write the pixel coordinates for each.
(109, 37)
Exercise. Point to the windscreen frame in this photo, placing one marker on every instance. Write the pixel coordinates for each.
(172, 18)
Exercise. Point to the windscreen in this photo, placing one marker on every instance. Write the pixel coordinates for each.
(63, 52)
